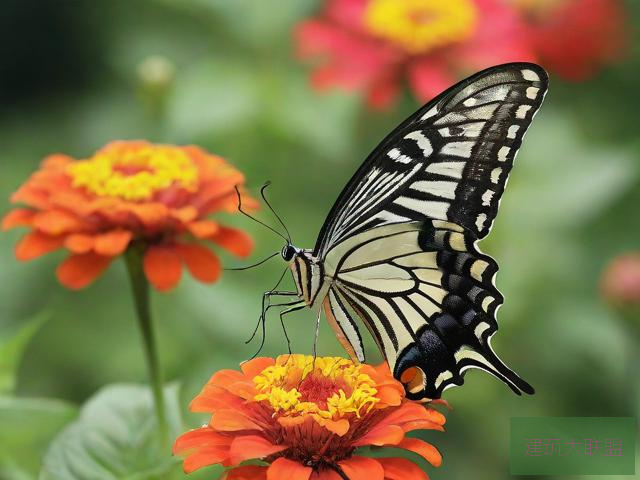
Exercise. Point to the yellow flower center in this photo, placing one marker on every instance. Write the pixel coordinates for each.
(421, 25)
(134, 172)
(330, 387)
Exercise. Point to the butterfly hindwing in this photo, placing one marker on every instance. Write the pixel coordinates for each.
(426, 295)
(400, 242)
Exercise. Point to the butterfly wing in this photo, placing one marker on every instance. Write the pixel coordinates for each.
(400, 240)
(448, 161)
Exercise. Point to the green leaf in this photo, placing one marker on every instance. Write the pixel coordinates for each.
(27, 425)
(11, 351)
(115, 437)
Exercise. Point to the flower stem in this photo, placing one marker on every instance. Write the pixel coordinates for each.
(140, 288)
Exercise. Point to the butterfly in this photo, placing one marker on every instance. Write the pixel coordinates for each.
(398, 249)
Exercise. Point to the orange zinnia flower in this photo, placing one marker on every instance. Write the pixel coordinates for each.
(305, 418)
(130, 193)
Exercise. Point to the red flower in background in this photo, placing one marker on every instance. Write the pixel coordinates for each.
(574, 38)
(373, 45)
(620, 282)
(134, 192)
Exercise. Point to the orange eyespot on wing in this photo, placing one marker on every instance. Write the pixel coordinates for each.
(413, 379)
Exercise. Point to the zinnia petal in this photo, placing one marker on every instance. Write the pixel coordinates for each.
(401, 469)
(55, 222)
(253, 367)
(422, 425)
(247, 447)
(79, 271)
(362, 468)
(246, 472)
(112, 243)
(410, 412)
(232, 420)
(18, 217)
(35, 244)
(424, 449)
(150, 214)
(55, 161)
(326, 474)
(213, 398)
(201, 262)
(185, 214)
(283, 468)
(204, 457)
(428, 78)
(384, 435)
(339, 427)
(79, 242)
(203, 228)
(383, 92)
(162, 267)
(200, 437)
(234, 240)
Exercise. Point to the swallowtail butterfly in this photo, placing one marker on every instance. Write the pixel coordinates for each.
(398, 249)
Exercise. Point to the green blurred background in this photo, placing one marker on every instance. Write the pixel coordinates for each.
(75, 75)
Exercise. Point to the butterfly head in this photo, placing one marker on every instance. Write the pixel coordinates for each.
(289, 252)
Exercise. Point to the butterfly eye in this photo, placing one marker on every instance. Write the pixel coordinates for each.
(288, 252)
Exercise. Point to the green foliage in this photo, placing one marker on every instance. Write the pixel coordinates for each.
(27, 425)
(115, 436)
(11, 351)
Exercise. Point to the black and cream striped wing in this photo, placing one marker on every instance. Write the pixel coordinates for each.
(449, 161)
(426, 295)
(400, 241)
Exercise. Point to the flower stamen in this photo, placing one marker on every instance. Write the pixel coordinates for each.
(134, 173)
(328, 387)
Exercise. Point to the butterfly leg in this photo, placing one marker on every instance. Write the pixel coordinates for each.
(295, 306)
(266, 304)
(266, 299)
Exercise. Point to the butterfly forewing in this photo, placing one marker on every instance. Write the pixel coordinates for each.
(399, 244)
(448, 161)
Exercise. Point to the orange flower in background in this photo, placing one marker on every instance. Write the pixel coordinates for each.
(305, 418)
(130, 193)
(373, 45)
(575, 38)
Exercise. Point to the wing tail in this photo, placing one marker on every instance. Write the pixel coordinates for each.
(504, 373)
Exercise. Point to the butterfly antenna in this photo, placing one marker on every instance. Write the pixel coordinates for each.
(254, 218)
(255, 264)
(264, 197)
